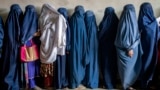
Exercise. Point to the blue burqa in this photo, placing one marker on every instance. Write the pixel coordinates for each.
(107, 51)
(149, 37)
(1, 43)
(1, 35)
(62, 61)
(127, 39)
(77, 61)
(10, 56)
(29, 24)
(28, 29)
(92, 68)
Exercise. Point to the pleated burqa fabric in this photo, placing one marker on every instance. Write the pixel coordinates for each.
(92, 68)
(77, 61)
(107, 51)
(62, 60)
(29, 70)
(29, 24)
(10, 57)
(128, 38)
(1, 44)
(149, 37)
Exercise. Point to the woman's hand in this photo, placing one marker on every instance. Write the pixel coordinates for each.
(130, 53)
(37, 34)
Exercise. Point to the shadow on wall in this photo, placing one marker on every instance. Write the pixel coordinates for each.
(158, 10)
(3, 14)
(118, 13)
(70, 12)
(38, 9)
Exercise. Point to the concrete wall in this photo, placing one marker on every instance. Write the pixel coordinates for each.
(98, 6)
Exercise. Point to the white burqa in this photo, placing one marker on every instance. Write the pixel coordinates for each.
(52, 26)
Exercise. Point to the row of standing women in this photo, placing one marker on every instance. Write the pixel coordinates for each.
(71, 52)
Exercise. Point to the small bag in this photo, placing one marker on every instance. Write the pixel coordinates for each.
(29, 54)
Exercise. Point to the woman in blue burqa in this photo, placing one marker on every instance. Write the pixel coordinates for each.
(77, 61)
(1, 35)
(91, 79)
(28, 37)
(149, 38)
(128, 47)
(107, 50)
(10, 56)
(1, 43)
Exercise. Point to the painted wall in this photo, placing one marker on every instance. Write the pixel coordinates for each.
(98, 6)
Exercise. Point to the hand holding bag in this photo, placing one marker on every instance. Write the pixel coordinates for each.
(29, 53)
